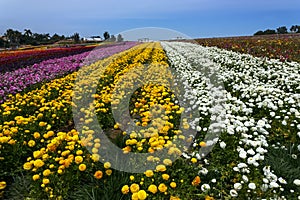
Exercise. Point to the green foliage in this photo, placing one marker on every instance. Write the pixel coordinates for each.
(285, 162)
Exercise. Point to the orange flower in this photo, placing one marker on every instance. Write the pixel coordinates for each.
(196, 181)
(98, 174)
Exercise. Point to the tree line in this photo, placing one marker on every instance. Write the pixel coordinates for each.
(14, 38)
(279, 30)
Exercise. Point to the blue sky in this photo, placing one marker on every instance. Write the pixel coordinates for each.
(194, 18)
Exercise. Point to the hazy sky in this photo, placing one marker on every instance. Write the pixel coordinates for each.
(195, 18)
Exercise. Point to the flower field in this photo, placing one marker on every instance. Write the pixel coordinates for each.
(283, 47)
(168, 120)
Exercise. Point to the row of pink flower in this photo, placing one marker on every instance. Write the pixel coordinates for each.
(16, 81)
(10, 61)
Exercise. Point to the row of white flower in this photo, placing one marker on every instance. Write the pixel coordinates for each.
(252, 92)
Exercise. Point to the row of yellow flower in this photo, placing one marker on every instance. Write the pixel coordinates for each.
(149, 139)
(38, 128)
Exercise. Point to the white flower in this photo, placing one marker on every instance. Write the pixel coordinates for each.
(251, 152)
(251, 160)
(261, 123)
(222, 145)
(214, 180)
(237, 186)
(236, 169)
(233, 193)
(282, 181)
(274, 185)
(265, 180)
(284, 123)
(296, 182)
(205, 187)
(252, 186)
(203, 171)
(242, 165)
(245, 178)
(243, 154)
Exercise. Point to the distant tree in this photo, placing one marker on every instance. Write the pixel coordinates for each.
(298, 29)
(282, 30)
(106, 35)
(55, 38)
(293, 29)
(269, 32)
(259, 33)
(112, 38)
(26, 37)
(13, 36)
(120, 38)
(76, 37)
(2, 43)
(27, 32)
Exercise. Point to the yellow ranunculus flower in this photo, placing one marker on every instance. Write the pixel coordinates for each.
(149, 173)
(162, 187)
(95, 157)
(79, 152)
(167, 162)
(35, 177)
(152, 188)
(207, 197)
(173, 184)
(46, 181)
(134, 196)
(142, 194)
(134, 188)
(36, 135)
(38, 163)
(31, 143)
(161, 168)
(27, 166)
(42, 124)
(78, 159)
(107, 165)
(194, 160)
(2, 185)
(125, 189)
(165, 176)
(108, 172)
(82, 167)
(46, 172)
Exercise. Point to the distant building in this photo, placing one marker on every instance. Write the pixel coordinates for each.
(93, 39)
